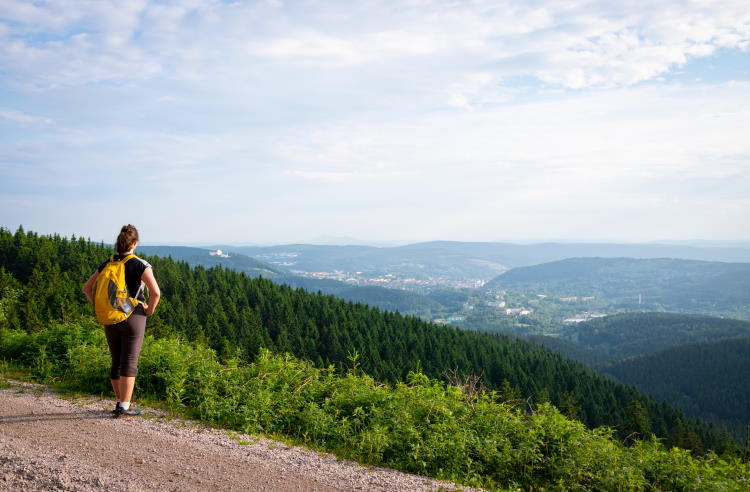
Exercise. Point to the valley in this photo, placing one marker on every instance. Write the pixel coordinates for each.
(530, 339)
(600, 311)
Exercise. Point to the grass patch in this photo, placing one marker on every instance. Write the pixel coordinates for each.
(15, 371)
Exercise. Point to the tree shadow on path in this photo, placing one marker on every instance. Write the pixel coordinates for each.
(23, 418)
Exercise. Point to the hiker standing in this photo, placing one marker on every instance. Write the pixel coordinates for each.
(117, 291)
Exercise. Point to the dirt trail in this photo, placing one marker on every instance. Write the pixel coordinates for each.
(49, 443)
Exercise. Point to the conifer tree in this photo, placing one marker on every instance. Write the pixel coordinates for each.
(637, 425)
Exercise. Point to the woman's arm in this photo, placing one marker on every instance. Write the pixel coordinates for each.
(153, 289)
(88, 287)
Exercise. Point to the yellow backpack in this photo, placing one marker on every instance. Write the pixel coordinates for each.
(111, 301)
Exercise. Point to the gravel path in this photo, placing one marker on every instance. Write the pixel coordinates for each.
(49, 443)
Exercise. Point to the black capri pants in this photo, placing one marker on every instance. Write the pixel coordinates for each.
(125, 340)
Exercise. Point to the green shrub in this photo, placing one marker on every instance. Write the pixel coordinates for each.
(675, 469)
(88, 369)
(46, 352)
(420, 425)
(17, 345)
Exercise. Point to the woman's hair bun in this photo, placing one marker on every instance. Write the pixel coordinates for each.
(126, 239)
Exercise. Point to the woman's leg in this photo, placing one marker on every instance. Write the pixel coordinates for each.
(132, 342)
(116, 387)
(114, 343)
(127, 383)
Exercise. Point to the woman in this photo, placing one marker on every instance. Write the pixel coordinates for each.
(126, 338)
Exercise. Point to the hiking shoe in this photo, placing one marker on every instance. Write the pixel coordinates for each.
(130, 412)
(116, 409)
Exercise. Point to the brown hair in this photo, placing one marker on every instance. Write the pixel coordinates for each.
(126, 239)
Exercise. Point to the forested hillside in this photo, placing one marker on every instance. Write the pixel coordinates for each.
(628, 334)
(640, 284)
(40, 279)
(572, 350)
(696, 363)
(708, 379)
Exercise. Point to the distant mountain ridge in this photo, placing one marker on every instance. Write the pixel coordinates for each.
(455, 257)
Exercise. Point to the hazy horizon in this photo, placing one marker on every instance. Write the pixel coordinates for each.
(351, 241)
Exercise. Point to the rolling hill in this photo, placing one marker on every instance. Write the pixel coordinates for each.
(707, 380)
(630, 334)
(696, 363)
(629, 284)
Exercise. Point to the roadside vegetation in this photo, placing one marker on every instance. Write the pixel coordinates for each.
(449, 431)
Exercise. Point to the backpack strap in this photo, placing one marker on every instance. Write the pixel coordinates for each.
(124, 260)
(140, 288)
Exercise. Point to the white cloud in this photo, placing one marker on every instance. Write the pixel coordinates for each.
(398, 118)
(318, 48)
(613, 156)
(478, 89)
(23, 118)
(310, 45)
(579, 45)
(343, 176)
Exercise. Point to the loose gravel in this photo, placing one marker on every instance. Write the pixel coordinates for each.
(51, 443)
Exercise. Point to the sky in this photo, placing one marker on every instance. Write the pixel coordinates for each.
(267, 122)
